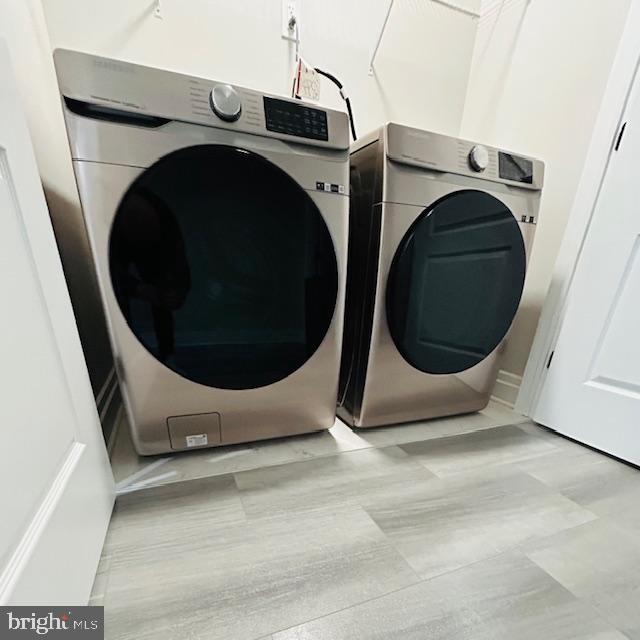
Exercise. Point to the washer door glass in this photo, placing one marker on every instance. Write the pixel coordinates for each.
(455, 282)
(223, 267)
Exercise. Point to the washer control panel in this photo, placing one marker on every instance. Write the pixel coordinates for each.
(282, 116)
(134, 89)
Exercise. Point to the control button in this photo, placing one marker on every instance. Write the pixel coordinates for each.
(225, 102)
(479, 158)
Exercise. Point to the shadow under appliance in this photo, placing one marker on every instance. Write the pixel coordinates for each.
(218, 220)
(440, 233)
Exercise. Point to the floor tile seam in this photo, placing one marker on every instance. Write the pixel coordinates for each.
(480, 430)
(515, 548)
(384, 538)
(605, 617)
(528, 547)
(484, 468)
(233, 473)
(372, 446)
(311, 459)
(580, 598)
(390, 542)
(348, 501)
(343, 609)
(517, 467)
(558, 492)
(324, 455)
(258, 468)
(420, 581)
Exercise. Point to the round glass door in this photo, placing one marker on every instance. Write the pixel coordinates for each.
(455, 282)
(223, 267)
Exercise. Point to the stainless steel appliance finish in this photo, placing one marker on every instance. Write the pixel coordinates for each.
(441, 230)
(249, 204)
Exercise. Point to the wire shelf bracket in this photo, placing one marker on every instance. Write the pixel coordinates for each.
(445, 3)
(379, 40)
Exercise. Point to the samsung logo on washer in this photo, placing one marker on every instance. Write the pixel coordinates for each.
(36, 622)
(113, 65)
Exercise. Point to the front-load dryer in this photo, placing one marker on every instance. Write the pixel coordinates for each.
(441, 231)
(218, 219)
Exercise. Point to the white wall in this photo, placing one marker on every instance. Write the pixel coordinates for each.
(537, 78)
(421, 70)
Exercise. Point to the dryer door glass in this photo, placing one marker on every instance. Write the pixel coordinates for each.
(223, 267)
(455, 282)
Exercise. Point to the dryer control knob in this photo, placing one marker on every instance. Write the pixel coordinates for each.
(479, 158)
(225, 102)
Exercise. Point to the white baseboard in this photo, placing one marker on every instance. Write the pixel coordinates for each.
(506, 388)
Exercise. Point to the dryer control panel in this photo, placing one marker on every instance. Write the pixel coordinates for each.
(438, 152)
(515, 168)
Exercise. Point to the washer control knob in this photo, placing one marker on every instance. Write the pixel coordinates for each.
(225, 102)
(479, 158)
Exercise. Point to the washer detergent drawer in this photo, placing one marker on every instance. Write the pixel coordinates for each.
(197, 430)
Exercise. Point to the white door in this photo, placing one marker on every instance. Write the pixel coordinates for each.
(56, 487)
(591, 391)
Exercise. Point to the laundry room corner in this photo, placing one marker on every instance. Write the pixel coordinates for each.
(319, 319)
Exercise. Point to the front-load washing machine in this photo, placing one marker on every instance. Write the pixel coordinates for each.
(218, 221)
(441, 231)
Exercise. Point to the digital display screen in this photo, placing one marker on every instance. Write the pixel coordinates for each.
(295, 119)
(515, 168)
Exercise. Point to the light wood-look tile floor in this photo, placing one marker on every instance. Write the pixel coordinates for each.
(477, 527)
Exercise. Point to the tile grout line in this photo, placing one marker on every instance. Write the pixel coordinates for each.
(518, 548)
(513, 463)
(332, 454)
(339, 453)
(391, 544)
(409, 586)
(585, 601)
(515, 549)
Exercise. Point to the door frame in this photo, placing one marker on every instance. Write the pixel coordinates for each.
(607, 130)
